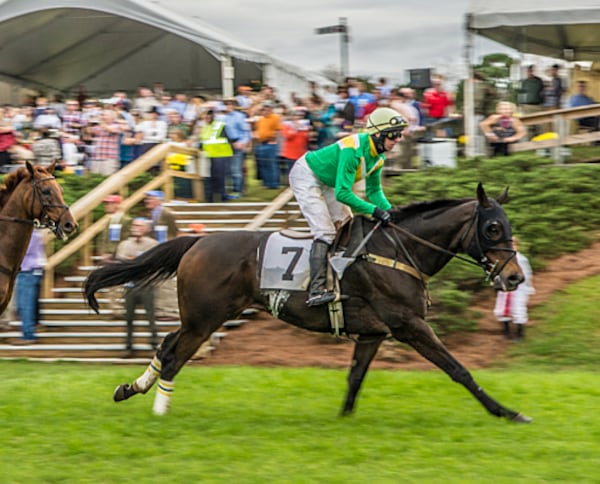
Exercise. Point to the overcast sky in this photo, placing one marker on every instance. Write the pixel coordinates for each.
(387, 36)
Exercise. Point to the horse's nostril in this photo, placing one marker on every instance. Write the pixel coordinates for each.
(68, 227)
(515, 279)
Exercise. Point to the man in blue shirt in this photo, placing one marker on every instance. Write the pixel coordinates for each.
(238, 132)
(581, 98)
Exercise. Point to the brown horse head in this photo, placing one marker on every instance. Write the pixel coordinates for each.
(491, 242)
(35, 195)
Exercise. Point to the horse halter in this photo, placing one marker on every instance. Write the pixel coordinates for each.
(44, 220)
(491, 228)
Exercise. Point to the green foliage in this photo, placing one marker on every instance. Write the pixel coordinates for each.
(553, 209)
(248, 425)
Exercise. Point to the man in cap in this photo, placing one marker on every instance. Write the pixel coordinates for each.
(117, 230)
(107, 241)
(322, 182)
(162, 217)
(159, 215)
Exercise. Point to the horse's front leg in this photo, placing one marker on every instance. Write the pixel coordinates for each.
(422, 338)
(365, 349)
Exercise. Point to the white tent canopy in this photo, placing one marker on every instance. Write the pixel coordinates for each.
(561, 29)
(108, 45)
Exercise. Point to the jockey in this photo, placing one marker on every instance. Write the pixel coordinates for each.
(322, 182)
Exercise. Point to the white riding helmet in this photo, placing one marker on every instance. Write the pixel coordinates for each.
(385, 120)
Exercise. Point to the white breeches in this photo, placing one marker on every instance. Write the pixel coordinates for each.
(317, 202)
(515, 310)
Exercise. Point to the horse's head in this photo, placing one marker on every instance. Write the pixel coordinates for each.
(491, 242)
(47, 206)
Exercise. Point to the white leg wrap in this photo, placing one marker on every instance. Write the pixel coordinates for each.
(162, 401)
(145, 382)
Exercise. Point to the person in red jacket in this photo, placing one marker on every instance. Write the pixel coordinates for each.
(436, 102)
(295, 133)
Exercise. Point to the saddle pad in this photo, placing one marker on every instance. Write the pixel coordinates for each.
(285, 263)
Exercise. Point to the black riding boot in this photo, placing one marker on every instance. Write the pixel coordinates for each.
(506, 328)
(317, 292)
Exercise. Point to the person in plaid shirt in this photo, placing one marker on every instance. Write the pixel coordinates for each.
(106, 143)
(72, 120)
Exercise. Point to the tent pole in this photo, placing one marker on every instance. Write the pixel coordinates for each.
(227, 76)
(469, 108)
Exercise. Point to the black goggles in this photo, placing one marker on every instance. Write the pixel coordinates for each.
(393, 134)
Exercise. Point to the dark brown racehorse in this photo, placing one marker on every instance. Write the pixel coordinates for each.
(31, 198)
(217, 279)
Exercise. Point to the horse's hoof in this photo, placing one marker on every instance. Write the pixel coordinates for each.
(122, 392)
(520, 418)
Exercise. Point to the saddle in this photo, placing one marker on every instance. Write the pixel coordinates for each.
(283, 266)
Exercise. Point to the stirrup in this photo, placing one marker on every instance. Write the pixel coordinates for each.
(319, 299)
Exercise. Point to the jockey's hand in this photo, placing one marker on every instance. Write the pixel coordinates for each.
(383, 216)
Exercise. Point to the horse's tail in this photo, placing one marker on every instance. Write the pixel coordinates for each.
(157, 264)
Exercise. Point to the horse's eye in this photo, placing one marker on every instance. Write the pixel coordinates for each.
(46, 192)
(493, 231)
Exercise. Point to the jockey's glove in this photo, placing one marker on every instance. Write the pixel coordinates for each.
(382, 215)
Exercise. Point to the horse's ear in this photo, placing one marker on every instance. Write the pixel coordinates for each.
(29, 167)
(503, 197)
(51, 166)
(482, 197)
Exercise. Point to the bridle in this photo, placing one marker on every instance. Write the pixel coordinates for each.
(43, 220)
(479, 244)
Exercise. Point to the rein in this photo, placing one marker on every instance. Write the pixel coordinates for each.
(474, 250)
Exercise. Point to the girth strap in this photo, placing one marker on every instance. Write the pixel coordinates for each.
(394, 264)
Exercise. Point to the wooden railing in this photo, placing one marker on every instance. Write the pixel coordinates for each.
(82, 209)
(559, 119)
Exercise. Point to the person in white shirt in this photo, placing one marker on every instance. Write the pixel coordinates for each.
(151, 131)
(511, 307)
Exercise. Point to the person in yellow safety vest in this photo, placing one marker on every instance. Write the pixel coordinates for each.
(217, 146)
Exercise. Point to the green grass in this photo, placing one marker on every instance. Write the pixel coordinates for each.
(565, 333)
(232, 424)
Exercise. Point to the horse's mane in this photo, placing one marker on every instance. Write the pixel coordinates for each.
(425, 209)
(10, 183)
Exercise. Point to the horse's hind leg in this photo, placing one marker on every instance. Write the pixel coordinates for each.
(365, 349)
(175, 356)
(422, 338)
(144, 382)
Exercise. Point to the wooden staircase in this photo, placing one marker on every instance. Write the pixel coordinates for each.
(70, 330)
